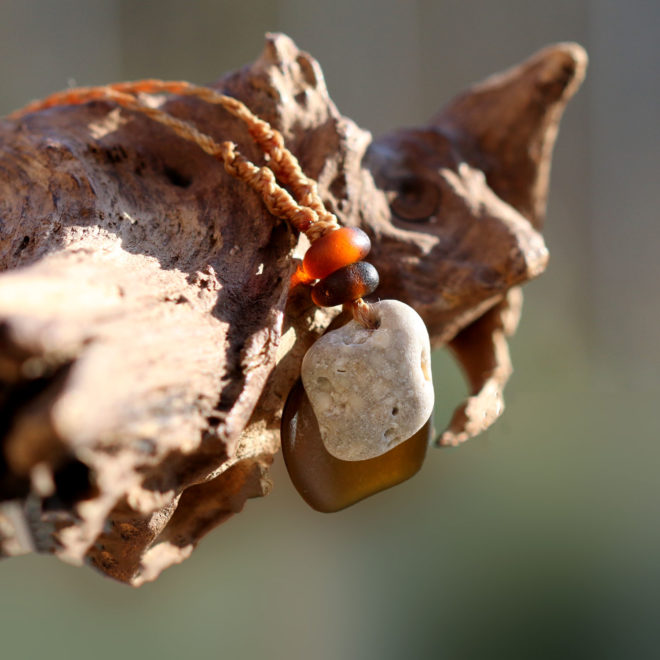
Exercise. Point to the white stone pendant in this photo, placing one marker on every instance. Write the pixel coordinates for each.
(371, 389)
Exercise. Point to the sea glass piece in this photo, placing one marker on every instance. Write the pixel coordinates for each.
(345, 285)
(370, 388)
(338, 248)
(328, 483)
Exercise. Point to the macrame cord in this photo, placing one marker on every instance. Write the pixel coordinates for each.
(302, 207)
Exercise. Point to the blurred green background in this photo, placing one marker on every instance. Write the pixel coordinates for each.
(539, 539)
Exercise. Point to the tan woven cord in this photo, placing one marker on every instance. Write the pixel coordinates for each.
(303, 207)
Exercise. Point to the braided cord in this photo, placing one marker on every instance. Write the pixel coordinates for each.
(304, 208)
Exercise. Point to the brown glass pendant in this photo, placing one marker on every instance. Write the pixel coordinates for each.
(329, 484)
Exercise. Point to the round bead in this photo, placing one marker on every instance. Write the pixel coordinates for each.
(346, 284)
(329, 484)
(338, 248)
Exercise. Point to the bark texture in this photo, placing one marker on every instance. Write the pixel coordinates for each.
(148, 337)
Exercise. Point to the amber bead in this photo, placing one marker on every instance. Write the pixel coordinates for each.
(338, 248)
(348, 283)
(329, 484)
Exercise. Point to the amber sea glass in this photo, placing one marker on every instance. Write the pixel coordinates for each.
(329, 484)
(338, 248)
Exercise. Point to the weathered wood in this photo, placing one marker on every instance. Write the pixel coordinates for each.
(148, 339)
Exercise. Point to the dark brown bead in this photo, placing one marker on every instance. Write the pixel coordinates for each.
(346, 284)
(338, 248)
(329, 484)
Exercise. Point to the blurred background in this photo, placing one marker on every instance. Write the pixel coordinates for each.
(539, 539)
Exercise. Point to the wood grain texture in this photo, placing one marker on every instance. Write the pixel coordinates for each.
(148, 339)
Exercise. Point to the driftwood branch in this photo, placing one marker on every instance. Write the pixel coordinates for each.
(148, 338)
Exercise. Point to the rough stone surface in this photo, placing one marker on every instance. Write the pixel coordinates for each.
(371, 389)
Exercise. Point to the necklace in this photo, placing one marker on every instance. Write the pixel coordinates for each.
(358, 421)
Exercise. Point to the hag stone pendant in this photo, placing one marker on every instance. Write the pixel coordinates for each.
(359, 422)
